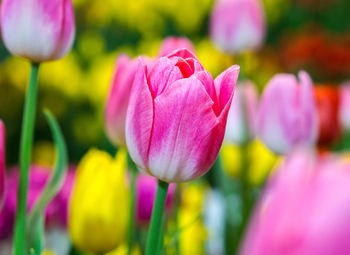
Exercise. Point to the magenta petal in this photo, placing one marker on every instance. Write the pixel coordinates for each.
(224, 85)
(2, 162)
(182, 53)
(182, 146)
(139, 118)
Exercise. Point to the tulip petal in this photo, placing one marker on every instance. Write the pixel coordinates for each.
(2, 162)
(224, 85)
(184, 138)
(139, 118)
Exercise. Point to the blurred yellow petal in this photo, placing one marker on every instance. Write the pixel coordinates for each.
(231, 156)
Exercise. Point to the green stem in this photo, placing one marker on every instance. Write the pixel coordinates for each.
(39, 236)
(25, 155)
(156, 220)
(131, 225)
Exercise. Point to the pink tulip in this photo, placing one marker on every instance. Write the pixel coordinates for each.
(287, 114)
(118, 99)
(39, 30)
(146, 187)
(304, 210)
(2, 162)
(242, 117)
(56, 212)
(173, 43)
(344, 108)
(237, 25)
(177, 115)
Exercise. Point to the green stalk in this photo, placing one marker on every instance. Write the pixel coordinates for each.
(157, 216)
(25, 155)
(131, 225)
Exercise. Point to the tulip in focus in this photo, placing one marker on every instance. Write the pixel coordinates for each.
(146, 187)
(344, 108)
(177, 116)
(242, 117)
(304, 210)
(99, 205)
(2, 162)
(172, 43)
(118, 99)
(39, 30)
(237, 25)
(287, 114)
(56, 213)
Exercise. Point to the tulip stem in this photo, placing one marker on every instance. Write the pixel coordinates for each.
(25, 155)
(157, 216)
(131, 225)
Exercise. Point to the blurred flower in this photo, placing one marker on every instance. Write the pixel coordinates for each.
(237, 25)
(304, 209)
(146, 187)
(118, 99)
(327, 99)
(261, 161)
(242, 117)
(165, 136)
(173, 43)
(56, 213)
(344, 106)
(193, 234)
(287, 114)
(37, 29)
(2, 162)
(99, 205)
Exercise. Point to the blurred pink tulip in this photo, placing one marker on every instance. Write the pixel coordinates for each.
(237, 25)
(2, 162)
(57, 210)
(242, 117)
(344, 108)
(304, 210)
(177, 115)
(39, 30)
(287, 114)
(172, 43)
(118, 99)
(146, 187)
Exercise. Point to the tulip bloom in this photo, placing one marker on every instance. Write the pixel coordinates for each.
(118, 99)
(99, 204)
(172, 43)
(56, 212)
(344, 108)
(39, 30)
(177, 116)
(304, 210)
(146, 187)
(237, 25)
(287, 114)
(2, 162)
(242, 117)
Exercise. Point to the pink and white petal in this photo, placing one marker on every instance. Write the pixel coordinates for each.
(182, 53)
(183, 119)
(224, 86)
(31, 28)
(139, 118)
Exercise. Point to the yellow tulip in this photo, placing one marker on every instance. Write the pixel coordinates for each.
(99, 205)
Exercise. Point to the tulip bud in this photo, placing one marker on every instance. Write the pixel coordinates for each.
(304, 210)
(99, 205)
(146, 187)
(2, 162)
(118, 99)
(237, 25)
(242, 117)
(344, 108)
(37, 29)
(176, 117)
(172, 43)
(287, 114)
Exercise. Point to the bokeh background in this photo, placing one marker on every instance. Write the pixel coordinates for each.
(301, 34)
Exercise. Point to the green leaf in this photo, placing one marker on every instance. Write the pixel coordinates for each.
(34, 227)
